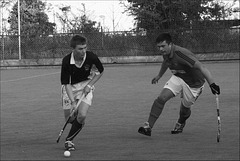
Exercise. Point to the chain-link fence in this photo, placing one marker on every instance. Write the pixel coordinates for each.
(127, 43)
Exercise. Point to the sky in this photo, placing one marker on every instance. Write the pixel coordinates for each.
(110, 13)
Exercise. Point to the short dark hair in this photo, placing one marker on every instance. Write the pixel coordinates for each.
(78, 40)
(164, 37)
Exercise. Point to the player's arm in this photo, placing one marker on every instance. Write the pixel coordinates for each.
(96, 76)
(68, 88)
(205, 72)
(208, 76)
(69, 92)
(94, 79)
(163, 69)
(65, 79)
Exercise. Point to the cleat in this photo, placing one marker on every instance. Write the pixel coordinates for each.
(69, 146)
(145, 130)
(178, 128)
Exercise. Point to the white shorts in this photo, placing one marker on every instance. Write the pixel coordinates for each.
(188, 95)
(77, 93)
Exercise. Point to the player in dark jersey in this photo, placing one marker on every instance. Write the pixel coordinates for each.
(188, 80)
(77, 79)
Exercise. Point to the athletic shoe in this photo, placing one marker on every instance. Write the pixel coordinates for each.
(178, 128)
(145, 130)
(69, 146)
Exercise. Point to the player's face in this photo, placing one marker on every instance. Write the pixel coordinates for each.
(164, 48)
(79, 51)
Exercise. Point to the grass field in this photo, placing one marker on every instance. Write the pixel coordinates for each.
(32, 116)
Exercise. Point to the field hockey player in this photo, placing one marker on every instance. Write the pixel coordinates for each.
(187, 80)
(77, 80)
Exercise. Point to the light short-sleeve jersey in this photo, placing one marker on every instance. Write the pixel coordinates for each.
(181, 62)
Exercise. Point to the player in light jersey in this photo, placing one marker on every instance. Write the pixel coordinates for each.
(76, 81)
(188, 80)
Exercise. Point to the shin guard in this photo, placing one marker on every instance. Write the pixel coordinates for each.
(75, 129)
(184, 114)
(156, 111)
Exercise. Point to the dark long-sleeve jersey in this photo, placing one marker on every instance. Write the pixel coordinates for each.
(70, 74)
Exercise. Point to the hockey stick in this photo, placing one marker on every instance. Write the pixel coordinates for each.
(69, 117)
(218, 119)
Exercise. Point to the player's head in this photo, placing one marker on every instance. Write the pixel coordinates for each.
(79, 45)
(78, 40)
(164, 37)
(164, 43)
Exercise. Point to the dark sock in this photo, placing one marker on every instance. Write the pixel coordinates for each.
(75, 129)
(156, 111)
(184, 114)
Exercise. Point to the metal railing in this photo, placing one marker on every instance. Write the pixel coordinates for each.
(121, 43)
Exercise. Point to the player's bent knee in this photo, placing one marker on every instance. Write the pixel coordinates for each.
(161, 100)
(186, 104)
(81, 118)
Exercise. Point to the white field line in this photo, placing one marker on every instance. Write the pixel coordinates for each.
(35, 76)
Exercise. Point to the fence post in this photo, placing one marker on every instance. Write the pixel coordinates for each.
(19, 31)
(1, 32)
(3, 46)
(102, 36)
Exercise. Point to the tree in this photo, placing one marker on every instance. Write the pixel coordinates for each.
(34, 21)
(172, 14)
(4, 7)
(77, 23)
